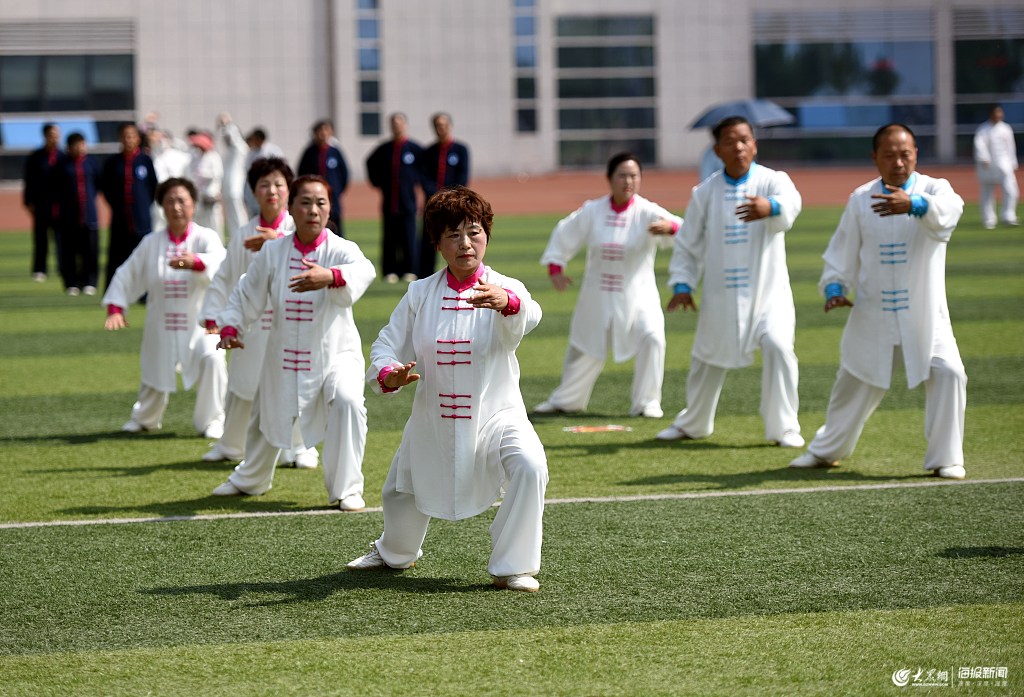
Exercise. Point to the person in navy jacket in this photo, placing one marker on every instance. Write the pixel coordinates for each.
(394, 168)
(38, 198)
(325, 159)
(75, 185)
(128, 182)
(445, 163)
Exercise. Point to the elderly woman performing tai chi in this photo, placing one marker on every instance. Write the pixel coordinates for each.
(618, 301)
(468, 437)
(173, 268)
(314, 364)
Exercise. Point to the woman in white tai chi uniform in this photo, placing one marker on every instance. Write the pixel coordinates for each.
(618, 302)
(269, 181)
(173, 268)
(314, 364)
(468, 437)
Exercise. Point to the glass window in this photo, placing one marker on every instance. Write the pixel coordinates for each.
(525, 26)
(605, 26)
(606, 56)
(369, 91)
(989, 67)
(64, 83)
(604, 88)
(581, 153)
(366, 4)
(838, 115)
(368, 29)
(369, 59)
(824, 148)
(525, 3)
(526, 56)
(526, 120)
(21, 83)
(526, 88)
(113, 82)
(369, 123)
(619, 118)
(877, 68)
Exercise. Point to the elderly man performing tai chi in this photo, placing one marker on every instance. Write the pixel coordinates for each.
(890, 247)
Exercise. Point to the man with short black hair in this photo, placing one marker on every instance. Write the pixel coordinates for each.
(38, 198)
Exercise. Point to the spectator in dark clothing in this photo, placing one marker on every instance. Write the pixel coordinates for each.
(75, 185)
(38, 199)
(128, 182)
(323, 157)
(445, 163)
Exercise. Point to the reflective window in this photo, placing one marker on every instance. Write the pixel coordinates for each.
(113, 82)
(581, 153)
(526, 88)
(617, 118)
(989, 67)
(526, 120)
(824, 148)
(525, 3)
(66, 83)
(21, 83)
(603, 88)
(816, 116)
(368, 28)
(369, 91)
(525, 26)
(369, 59)
(526, 56)
(605, 26)
(369, 123)
(605, 56)
(366, 4)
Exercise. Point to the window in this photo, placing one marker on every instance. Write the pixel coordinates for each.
(524, 57)
(368, 63)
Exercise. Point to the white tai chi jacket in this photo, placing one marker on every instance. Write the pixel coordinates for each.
(619, 291)
(206, 170)
(313, 344)
(897, 267)
(995, 151)
(467, 394)
(246, 365)
(171, 337)
(746, 287)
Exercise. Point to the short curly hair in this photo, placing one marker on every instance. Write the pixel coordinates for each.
(450, 207)
(267, 165)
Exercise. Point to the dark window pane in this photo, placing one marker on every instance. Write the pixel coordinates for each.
(525, 26)
(113, 82)
(603, 88)
(526, 56)
(369, 123)
(839, 115)
(620, 118)
(368, 29)
(526, 120)
(369, 91)
(367, 4)
(989, 67)
(606, 57)
(21, 83)
(525, 3)
(606, 26)
(878, 68)
(582, 153)
(369, 59)
(64, 84)
(973, 114)
(526, 88)
(824, 149)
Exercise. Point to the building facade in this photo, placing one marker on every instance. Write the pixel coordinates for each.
(531, 85)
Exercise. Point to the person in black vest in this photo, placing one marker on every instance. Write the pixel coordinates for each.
(322, 157)
(445, 163)
(128, 182)
(76, 181)
(394, 168)
(38, 199)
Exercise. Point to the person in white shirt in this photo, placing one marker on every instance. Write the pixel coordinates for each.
(618, 304)
(468, 439)
(234, 160)
(890, 249)
(313, 369)
(733, 242)
(995, 154)
(206, 170)
(173, 267)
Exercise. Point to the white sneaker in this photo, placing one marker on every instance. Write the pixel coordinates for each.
(791, 439)
(547, 408)
(307, 459)
(73, 292)
(809, 459)
(519, 582)
(216, 454)
(39, 277)
(951, 472)
(373, 560)
(391, 278)
(89, 290)
(133, 426)
(352, 502)
(215, 430)
(409, 277)
(228, 489)
(651, 411)
(673, 433)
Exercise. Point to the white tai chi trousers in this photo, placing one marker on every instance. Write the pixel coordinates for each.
(237, 412)
(148, 410)
(344, 444)
(779, 398)
(853, 401)
(581, 370)
(516, 533)
(989, 181)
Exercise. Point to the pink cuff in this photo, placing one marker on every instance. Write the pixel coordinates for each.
(555, 269)
(382, 375)
(229, 331)
(114, 310)
(198, 265)
(338, 280)
(513, 304)
(210, 324)
(675, 227)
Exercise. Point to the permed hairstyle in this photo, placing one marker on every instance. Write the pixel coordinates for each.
(168, 184)
(300, 182)
(450, 207)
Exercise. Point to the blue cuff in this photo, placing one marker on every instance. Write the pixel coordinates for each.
(682, 288)
(833, 290)
(775, 206)
(918, 205)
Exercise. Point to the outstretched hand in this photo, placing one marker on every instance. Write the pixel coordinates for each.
(684, 300)
(114, 322)
(401, 376)
(837, 301)
(314, 277)
(489, 296)
(560, 281)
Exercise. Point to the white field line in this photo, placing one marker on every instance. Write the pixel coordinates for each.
(548, 502)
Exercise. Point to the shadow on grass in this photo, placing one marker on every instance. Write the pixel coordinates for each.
(311, 590)
(133, 470)
(979, 552)
(742, 480)
(652, 444)
(89, 438)
(189, 508)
